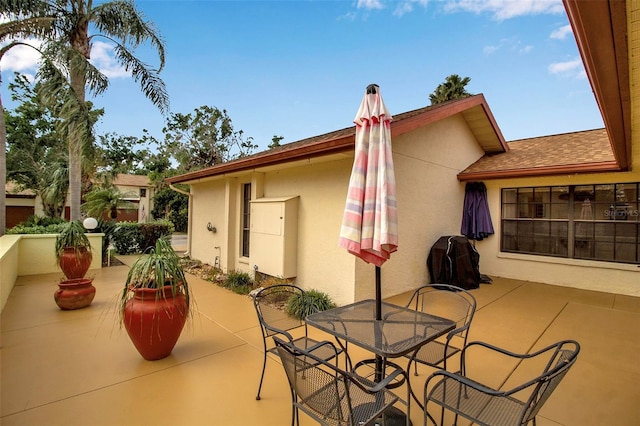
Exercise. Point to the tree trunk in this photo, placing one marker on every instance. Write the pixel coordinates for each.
(80, 43)
(3, 170)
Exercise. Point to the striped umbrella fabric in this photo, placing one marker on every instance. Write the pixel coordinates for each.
(370, 223)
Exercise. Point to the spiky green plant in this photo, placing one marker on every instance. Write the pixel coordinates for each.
(301, 306)
(159, 268)
(71, 235)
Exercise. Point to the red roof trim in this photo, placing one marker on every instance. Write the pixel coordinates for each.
(343, 140)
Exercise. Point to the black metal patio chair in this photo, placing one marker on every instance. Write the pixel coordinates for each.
(488, 406)
(274, 321)
(331, 395)
(446, 301)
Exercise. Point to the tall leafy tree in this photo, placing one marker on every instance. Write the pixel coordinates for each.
(68, 28)
(121, 154)
(453, 87)
(36, 155)
(204, 138)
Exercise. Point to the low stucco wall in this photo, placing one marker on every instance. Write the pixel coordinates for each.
(34, 254)
(9, 247)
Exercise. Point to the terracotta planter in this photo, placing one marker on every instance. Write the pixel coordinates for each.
(154, 320)
(75, 265)
(76, 293)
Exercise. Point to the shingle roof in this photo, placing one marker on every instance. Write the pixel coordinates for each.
(585, 151)
(131, 180)
(14, 190)
(474, 109)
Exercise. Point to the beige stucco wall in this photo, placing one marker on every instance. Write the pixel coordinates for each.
(429, 198)
(37, 254)
(133, 194)
(207, 246)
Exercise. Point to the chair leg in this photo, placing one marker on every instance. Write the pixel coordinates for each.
(264, 366)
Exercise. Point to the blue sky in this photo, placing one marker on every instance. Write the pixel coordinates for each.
(299, 68)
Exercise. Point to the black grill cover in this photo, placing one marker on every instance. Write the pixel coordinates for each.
(453, 260)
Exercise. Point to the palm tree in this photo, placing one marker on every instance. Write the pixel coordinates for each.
(452, 88)
(64, 26)
(106, 200)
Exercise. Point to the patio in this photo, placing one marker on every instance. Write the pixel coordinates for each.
(79, 367)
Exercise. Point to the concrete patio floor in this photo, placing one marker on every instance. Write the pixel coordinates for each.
(79, 367)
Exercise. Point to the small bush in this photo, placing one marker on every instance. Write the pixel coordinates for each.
(151, 232)
(239, 282)
(300, 307)
(127, 238)
(132, 237)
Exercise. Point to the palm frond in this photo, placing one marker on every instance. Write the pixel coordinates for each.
(150, 82)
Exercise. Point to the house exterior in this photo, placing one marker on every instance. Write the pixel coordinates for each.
(22, 204)
(139, 191)
(279, 212)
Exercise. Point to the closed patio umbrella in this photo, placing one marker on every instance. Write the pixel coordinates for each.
(370, 223)
(476, 219)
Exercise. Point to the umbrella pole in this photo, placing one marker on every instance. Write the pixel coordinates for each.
(378, 294)
(379, 363)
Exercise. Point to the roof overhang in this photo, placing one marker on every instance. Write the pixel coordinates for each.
(474, 110)
(600, 29)
(540, 171)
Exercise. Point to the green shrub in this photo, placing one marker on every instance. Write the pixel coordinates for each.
(36, 229)
(239, 282)
(299, 306)
(132, 237)
(127, 238)
(151, 232)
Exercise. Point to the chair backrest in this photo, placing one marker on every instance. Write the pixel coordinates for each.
(321, 385)
(269, 303)
(561, 360)
(446, 301)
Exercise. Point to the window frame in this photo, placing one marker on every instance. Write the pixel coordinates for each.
(558, 221)
(245, 247)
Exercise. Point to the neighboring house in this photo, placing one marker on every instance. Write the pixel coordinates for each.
(279, 212)
(20, 204)
(140, 192)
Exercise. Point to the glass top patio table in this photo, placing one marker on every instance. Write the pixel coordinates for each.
(399, 332)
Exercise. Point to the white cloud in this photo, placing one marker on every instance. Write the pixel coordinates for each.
(406, 6)
(573, 68)
(370, 4)
(489, 50)
(506, 9)
(509, 44)
(561, 33)
(103, 59)
(22, 59)
(26, 60)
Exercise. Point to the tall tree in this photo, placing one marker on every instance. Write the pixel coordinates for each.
(203, 139)
(66, 26)
(453, 87)
(121, 154)
(36, 151)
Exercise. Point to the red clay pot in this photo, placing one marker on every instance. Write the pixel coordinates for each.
(73, 294)
(154, 319)
(75, 264)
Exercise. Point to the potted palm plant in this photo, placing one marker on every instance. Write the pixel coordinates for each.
(154, 304)
(73, 254)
